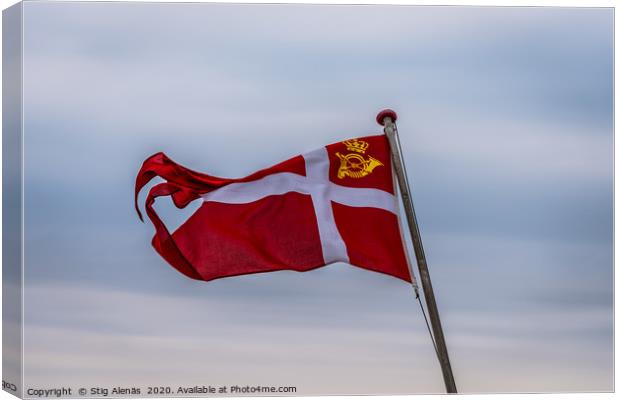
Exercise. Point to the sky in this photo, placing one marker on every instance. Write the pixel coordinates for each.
(505, 117)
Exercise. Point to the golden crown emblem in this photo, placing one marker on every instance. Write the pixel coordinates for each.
(359, 146)
(354, 165)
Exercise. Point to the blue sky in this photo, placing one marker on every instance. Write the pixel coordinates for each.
(507, 128)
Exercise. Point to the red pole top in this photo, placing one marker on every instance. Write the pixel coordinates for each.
(386, 113)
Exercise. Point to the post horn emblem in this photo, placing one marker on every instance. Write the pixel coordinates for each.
(354, 165)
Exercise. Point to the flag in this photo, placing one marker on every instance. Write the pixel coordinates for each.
(334, 204)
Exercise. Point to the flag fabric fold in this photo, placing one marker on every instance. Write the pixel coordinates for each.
(334, 204)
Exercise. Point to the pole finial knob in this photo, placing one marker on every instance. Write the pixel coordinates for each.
(386, 113)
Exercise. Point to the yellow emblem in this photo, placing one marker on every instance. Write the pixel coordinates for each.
(354, 165)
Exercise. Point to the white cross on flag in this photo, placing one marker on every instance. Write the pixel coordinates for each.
(333, 204)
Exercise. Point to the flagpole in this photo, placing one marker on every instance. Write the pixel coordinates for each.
(387, 118)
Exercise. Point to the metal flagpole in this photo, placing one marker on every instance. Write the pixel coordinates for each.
(387, 118)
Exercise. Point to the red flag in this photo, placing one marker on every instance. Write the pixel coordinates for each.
(333, 204)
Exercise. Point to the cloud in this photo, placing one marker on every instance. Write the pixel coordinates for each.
(236, 342)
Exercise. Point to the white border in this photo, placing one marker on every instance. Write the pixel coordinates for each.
(504, 3)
